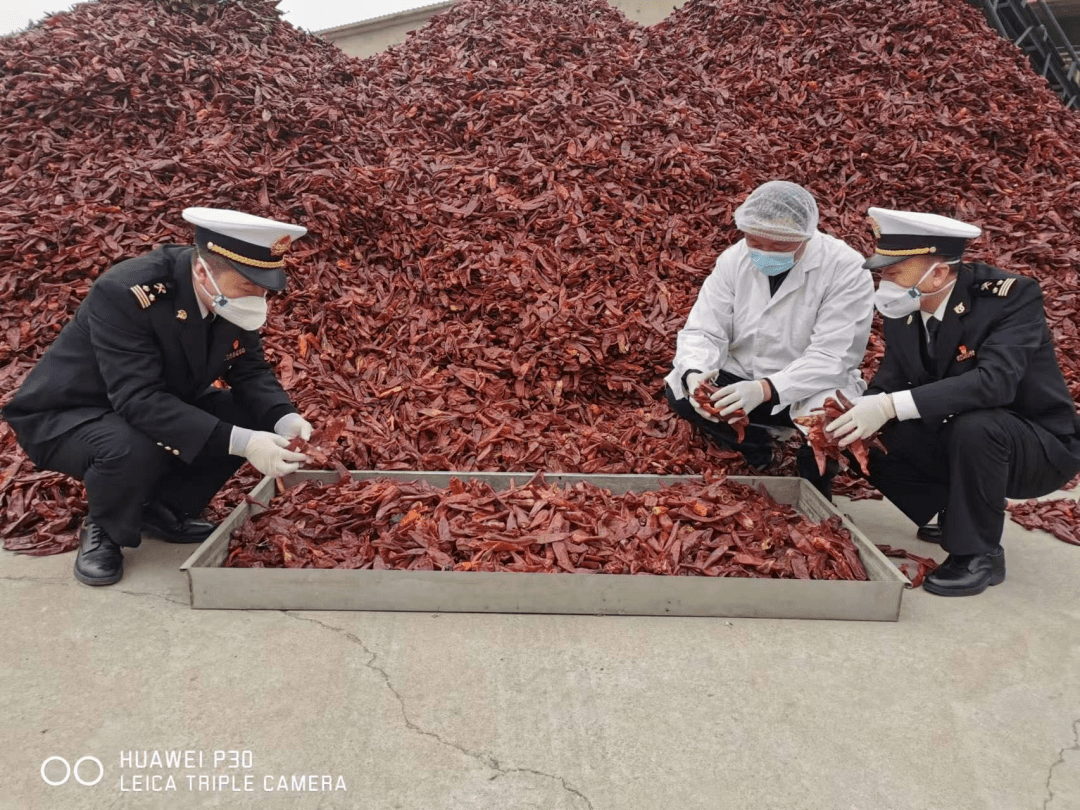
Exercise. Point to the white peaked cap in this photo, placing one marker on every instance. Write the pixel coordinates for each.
(254, 246)
(903, 234)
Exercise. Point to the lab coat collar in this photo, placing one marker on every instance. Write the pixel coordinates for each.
(810, 260)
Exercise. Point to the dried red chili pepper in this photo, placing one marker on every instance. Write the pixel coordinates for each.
(710, 528)
(322, 446)
(925, 564)
(825, 445)
(490, 282)
(737, 419)
(1060, 517)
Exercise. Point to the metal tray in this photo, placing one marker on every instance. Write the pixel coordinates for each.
(495, 592)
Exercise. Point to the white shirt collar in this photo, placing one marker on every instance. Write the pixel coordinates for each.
(938, 313)
(203, 311)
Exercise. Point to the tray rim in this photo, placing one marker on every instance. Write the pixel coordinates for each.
(884, 575)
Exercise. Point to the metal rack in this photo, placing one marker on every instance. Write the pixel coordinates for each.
(1033, 27)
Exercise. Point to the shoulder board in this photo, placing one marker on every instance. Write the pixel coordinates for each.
(999, 287)
(147, 294)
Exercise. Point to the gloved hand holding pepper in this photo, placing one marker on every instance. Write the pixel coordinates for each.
(693, 380)
(744, 396)
(292, 425)
(268, 453)
(865, 418)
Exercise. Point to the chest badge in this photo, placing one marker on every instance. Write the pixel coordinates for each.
(237, 350)
(964, 353)
(181, 314)
(960, 309)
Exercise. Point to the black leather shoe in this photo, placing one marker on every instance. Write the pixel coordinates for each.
(929, 533)
(966, 574)
(165, 523)
(99, 561)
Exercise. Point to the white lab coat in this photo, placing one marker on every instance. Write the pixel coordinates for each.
(809, 339)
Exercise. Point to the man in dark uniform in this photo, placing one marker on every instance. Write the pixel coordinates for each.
(123, 399)
(970, 399)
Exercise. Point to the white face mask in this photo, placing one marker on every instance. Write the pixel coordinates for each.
(894, 301)
(248, 311)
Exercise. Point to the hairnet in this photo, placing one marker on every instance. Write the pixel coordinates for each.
(778, 210)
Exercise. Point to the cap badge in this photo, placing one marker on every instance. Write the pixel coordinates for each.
(181, 314)
(875, 227)
(280, 247)
(960, 309)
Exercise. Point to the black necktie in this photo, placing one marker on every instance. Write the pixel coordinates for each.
(212, 330)
(932, 325)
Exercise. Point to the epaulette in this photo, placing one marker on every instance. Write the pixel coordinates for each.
(147, 294)
(1000, 287)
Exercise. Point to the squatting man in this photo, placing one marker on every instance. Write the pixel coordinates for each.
(123, 399)
(781, 323)
(969, 398)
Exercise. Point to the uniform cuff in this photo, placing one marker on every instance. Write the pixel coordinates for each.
(904, 403)
(238, 440)
(218, 443)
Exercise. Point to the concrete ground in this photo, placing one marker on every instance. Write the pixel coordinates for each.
(964, 704)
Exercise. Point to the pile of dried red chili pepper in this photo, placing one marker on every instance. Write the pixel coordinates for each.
(1060, 517)
(512, 212)
(714, 528)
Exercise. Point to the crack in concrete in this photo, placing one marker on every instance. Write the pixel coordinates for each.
(483, 759)
(1061, 761)
(45, 580)
(110, 588)
(149, 593)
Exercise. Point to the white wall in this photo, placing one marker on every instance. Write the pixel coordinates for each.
(371, 37)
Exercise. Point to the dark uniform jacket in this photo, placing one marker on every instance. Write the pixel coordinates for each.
(139, 346)
(993, 350)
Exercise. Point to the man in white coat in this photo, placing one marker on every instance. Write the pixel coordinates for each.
(780, 324)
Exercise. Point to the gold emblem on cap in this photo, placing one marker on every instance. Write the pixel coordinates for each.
(875, 227)
(281, 246)
(236, 257)
(959, 309)
(912, 252)
(181, 314)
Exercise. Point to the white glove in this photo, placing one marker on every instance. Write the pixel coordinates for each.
(693, 380)
(292, 425)
(269, 454)
(865, 418)
(744, 396)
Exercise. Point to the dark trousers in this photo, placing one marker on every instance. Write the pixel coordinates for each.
(757, 447)
(968, 467)
(122, 468)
